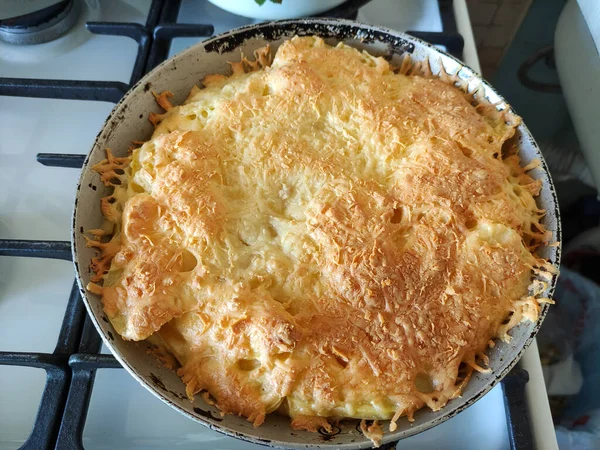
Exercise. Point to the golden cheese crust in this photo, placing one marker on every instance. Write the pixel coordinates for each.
(324, 235)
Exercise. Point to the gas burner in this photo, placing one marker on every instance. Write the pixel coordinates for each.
(39, 26)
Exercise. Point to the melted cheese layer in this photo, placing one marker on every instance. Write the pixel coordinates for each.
(324, 236)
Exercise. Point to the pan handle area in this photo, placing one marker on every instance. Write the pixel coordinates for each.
(517, 416)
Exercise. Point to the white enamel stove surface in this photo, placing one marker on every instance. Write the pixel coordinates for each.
(36, 203)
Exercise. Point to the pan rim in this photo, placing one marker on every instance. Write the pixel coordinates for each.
(282, 24)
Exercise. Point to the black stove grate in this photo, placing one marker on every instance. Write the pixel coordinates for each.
(71, 368)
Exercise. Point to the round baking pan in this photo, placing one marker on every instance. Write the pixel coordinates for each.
(128, 121)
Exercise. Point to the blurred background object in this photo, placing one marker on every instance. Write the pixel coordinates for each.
(559, 111)
(276, 9)
(495, 24)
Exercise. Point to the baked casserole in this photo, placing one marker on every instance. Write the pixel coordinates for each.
(323, 235)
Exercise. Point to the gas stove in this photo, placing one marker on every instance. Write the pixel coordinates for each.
(59, 387)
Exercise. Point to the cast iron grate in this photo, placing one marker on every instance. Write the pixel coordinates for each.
(71, 368)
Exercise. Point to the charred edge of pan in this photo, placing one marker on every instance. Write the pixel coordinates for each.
(207, 414)
(275, 31)
(110, 336)
(245, 437)
(158, 382)
(328, 436)
(357, 428)
(177, 395)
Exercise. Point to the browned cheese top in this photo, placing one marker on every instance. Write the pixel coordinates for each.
(325, 235)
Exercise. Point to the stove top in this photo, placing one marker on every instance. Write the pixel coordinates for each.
(63, 389)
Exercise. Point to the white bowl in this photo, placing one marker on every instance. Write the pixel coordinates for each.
(287, 9)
